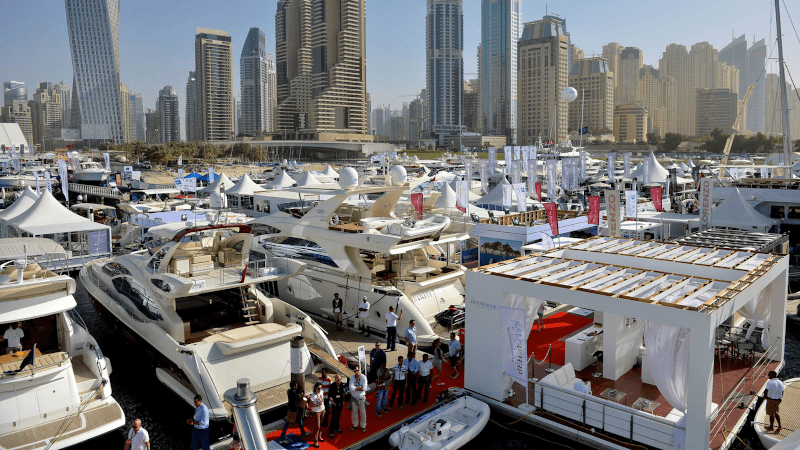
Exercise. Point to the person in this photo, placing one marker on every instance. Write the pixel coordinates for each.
(438, 357)
(200, 423)
(412, 378)
(540, 316)
(411, 336)
(425, 369)
(316, 404)
(294, 412)
(337, 311)
(455, 353)
(138, 438)
(363, 316)
(398, 382)
(376, 357)
(774, 393)
(14, 337)
(337, 393)
(382, 378)
(584, 386)
(325, 381)
(391, 328)
(358, 390)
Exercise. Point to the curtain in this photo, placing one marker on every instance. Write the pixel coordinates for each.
(528, 304)
(668, 360)
(757, 311)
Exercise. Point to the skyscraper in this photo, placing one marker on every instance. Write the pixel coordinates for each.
(716, 108)
(756, 106)
(14, 90)
(611, 52)
(657, 92)
(169, 118)
(66, 102)
(125, 111)
(320, 61)
(542, 75)
(136, 131)
(93, 28)
(675, 62)
(472, 106)
(444, 45)
(213, 59)
(735, 54)
(258, 95)
(501, 28)
(152, 134)
(45, 111)
(630, 62)
(191, 108)
(595, 84)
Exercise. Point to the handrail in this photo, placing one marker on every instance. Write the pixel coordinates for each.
(34, 369)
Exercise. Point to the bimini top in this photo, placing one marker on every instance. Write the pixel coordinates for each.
(673, 275)
(14, 248)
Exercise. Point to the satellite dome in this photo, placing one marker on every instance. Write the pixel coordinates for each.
(398, 174)
(348, 178)
(569, 94)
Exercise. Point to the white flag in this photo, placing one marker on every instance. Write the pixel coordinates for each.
(565, 174)
(516, 172)
(180, 160)
(612, 162)
(519, 193)
(107, 158)
(547, 242)
(631, 199)
(574, 179)
(551, 180)
(62, 173)
(211, 174)
(515, 331)
(462, 195)
(516, 152)
(508, 195)
(626, 164)
(583, 166)
(484, 181)
(47, 182)
(532, 178)
(646, 171)
(492, 160)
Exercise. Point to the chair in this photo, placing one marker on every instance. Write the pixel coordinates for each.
(475, 218)
(598, 361)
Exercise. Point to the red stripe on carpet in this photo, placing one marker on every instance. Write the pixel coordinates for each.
(555, 327)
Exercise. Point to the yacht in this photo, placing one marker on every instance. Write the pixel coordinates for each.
(90, 172)
(18, 180)
(61, 395)
(355, 245)
(191, 301)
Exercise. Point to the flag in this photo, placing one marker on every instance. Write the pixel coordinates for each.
(107, 159)
(462, 196)
(646, 171)
(47, 182)
(180, 160)
(574, 179)
(583, 166)
(210, 174)
(612, 162)
(516, 172)
(531, 170)
(550, 142)
(516, 152)
(626, 164)
(516, 331)
(547, 242)
(508, 195)
(594, 210)
(565, 173)
(36, 176)
(62, 173)
(538, 187)
(180, 173)
(655, 193)
(551, 179)
(484, 180)
(631, 199)
(585, 130)
(30, 360)
(522, 200)
(468, 172)
(416, 202)
(492, 159)
(552, 217)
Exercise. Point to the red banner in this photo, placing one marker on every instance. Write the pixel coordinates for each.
(594, 210)
(655, 193)
(538, 187)
(416, 202)
(552, 217)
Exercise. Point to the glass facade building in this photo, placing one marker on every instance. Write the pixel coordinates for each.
(445, 65)
(257, 76)
(501, 28)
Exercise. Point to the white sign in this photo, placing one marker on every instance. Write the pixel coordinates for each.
(361, 353)
(519, 192)
(515, 336)
(706, 197)
(136, 175)
(646, 174)
(631, 199)
(186, 184)
(508, 195)
(484, 180)
(612, 211)
(547, 242)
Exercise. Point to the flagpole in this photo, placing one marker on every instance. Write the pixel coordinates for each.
(580, 130)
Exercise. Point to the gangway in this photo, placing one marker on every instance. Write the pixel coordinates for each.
(96, 191)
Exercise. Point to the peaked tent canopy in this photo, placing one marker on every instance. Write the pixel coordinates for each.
(307, 179)
(48, 216)
(454, 186)
(245, 186)
(690, 164)
(329, 172)
(658, 174)
(20, 205)
(735, 212)
(447, 199)
(283, 180)
(221, 180)
(495, 196)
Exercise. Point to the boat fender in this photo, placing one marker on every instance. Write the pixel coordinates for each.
(396, 437)
(334, 220)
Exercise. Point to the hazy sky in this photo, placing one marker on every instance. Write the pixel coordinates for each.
(157, 37)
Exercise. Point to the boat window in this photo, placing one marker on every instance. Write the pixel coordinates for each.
(776, 212)
(238, 246)
(113, 269)
(794, 212)
(134, 293)
(216, 311)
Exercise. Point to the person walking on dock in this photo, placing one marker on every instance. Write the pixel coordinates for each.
(200, 423)
(382, 379)
(438, 357)
(391, 328)
(138, 438)
(412, 378)
(316, 403)
(425, 369)
(363, 316)
(411, 336)
(325, 381)
(455, 354)
(337, 393)
(294, 411)
(376, 357)
(337, 311)
(540, 315)
(774, 393)
(398, 382)
(358, 389)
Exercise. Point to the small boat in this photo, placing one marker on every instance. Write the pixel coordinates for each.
(90, 172)
(446, 428)
(789, 413)
(418, 229)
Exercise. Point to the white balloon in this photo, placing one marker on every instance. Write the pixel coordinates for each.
(569, 94)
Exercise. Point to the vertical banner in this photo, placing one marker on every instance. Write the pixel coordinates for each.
(594, 210)
(551, 180)
(211, 174)
(552, 217)
(492, 160)
(462, 196)
(484, 177)
(508, 195)
(538, 188)
(180, 173)
(180, 160)
(530, 169)
(575, 178)
(36, 176)
(583, 166)
(534, 163)
(62, 173)
(612, 162)
(547, 242)
(516, 153)
(612, 211)
(626, 164)
(655, 193)
(468, 173)
(646, 171)
(522, 200)
(516, 172)
(631, 199)
(47, 183)
(526, 155)
(706, 198)
(107, 159)
(565, 173)
(508, 155)
(515, 333)
(416, 202)
(15, 161)
(763, 172)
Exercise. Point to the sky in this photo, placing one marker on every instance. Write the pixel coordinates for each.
(157, 37)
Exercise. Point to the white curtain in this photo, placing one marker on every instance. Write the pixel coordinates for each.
(757, 311)
(668, 360)
(528, 304)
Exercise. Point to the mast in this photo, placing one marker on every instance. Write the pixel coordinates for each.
(787, 136)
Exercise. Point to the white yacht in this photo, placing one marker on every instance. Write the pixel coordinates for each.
(19, 180)
(90, 172)
(61, 396)
(365, 249)
(192, 302)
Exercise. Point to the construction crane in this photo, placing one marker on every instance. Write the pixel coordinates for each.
(737, 125)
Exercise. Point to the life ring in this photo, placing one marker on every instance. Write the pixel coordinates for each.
(334, 220)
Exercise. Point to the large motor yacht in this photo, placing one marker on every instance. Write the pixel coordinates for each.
(59, 396)
(191, 301)
(355, 245)
(90, 172)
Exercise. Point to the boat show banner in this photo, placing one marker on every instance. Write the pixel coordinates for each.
(530, 169)
(583, 166)
(508, 195)
(612, 161)
(484, 176)
(62, 173)
(522, 200)
(492, 160)
(538, 188)
(646, 171)
(612, 212)
(48, 184)
(631, 199)
(211, 174)
(107, 160)
(626, 164)
(655, 194)
(416, 202)
(551, 179)
(516, 152)
(514, 332)
(594, 210)
(552, 217)
(516, 172)
(706, 196)
(575, 179)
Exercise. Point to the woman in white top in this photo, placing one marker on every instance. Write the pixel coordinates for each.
(316, 403)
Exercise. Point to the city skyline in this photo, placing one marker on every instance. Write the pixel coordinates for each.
(165, 54)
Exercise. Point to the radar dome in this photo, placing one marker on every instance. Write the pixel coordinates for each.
(569, 94)
(398, 174)
(348, 178)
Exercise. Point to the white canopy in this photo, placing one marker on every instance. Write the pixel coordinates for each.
(48, 216)
(735, 212)
(454, 186)
(11, 248)
(495, 196)
(447, 199)
(222, 180)
(245, 186)
(20, 205)
(329, 172)
(307, 179)
(684, 167)
(690, 164)
(658, 174)
(283, 180)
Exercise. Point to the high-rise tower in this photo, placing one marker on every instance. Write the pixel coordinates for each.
(444, 45)
(214, 70)
(169, 118)
(501, 28)
(258, 95)
(191, 108)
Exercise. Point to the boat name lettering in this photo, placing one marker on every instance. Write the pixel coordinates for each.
(483, 305)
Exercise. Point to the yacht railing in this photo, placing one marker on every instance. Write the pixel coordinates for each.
(35, 369)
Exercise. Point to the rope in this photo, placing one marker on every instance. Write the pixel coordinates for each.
(544, 360)
(63, 429)
(737, 437)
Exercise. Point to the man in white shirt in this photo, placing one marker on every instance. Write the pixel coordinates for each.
(391, 328)
(774, 393)
(425, 368)
(14, 337)
(138, 438)
(411, 336)
(363, 316)
(455, 354)
(398, 382)
(358, 392)
(583, 386)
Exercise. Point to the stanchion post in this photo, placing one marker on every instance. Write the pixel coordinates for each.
(549, 360)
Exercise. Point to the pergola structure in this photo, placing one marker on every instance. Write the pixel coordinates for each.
(682, 286)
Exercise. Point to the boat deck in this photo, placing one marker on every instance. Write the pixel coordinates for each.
(789, 421)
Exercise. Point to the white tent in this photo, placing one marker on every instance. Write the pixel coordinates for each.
(22, 204)
(735, 212)
(454, 186)
(245, 186)
(307, 179)
(222, 180)
(329, 172)
(283, 180)
(658, 174)
(447, 199)
(690, 164)
(685, 168)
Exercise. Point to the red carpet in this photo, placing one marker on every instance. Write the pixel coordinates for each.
(555, 327)
(374, 423)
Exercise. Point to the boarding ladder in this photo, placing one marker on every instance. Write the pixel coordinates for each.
(250, 310)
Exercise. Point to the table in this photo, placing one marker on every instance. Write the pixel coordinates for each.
(422, 270)
(646, 405)
(613, 394)
(5, 359)
(579, 349)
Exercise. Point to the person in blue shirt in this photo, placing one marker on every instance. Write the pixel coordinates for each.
(412, 378)
(200, 423)
(411, 336)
